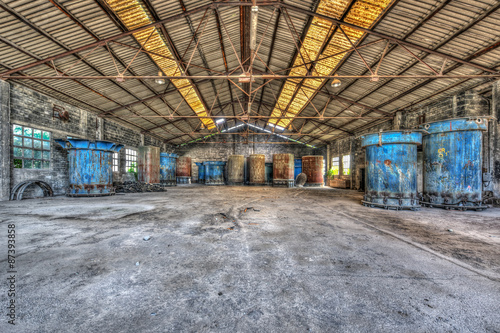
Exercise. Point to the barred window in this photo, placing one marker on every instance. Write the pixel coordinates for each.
(31, 147)
(131, 160)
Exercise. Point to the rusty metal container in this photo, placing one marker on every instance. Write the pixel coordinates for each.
(283, 170)
(201, 172)
(298, 167)
(148, 160)
(236, 170)
(257, 169)
(313, 167)
(452, 163)
(214, 172)
(183, 170)
(168, 166)
(391, 169)
(90, 167)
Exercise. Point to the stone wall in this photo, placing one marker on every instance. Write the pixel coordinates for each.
(200, 152)
(30, 108)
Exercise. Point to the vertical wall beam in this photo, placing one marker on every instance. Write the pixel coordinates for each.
(5, 165)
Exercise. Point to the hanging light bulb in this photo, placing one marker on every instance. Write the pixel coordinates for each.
(160, 80)
(336, 82)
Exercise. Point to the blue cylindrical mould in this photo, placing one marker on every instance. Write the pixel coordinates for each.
(168, 165)
(298, 167)
(391, 169)
(269, 173)
(214, 172)
(201, 172)
(452, 166)
(90, 167)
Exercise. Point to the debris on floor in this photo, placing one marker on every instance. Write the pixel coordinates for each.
(138, 187)
(146, 238)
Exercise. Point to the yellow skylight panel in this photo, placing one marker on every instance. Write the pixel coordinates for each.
(134, 15)
(363, 13)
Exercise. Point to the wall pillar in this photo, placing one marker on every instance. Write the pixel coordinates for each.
(494, 139)
(5, 134)
(99, 135)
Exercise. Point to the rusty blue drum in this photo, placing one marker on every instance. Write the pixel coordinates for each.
(391, 169)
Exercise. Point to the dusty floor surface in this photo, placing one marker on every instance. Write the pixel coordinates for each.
(249, 259)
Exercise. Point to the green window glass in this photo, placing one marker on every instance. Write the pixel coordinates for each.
(31, 147)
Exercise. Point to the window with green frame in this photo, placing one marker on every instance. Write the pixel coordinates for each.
(31, 147)
(336, 165)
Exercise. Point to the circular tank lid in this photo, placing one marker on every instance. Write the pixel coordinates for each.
(169, 155)
(89, 144)
(456, 124)
(214, 163)
(392, 137)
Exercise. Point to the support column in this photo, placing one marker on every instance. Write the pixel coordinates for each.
(494, 138)
(100, 129)
(5, 138)
(398, 118)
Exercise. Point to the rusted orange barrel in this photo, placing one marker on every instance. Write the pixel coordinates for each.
(257, 169)
(313, 167)
(183, 170)
(283, 169)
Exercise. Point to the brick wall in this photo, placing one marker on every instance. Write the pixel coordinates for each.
(466, 103)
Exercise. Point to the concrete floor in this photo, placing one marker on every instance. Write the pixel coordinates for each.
(250, 259)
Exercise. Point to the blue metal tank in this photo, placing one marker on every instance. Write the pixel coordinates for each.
(269, 173)
(298, 167)
(391, 169)
(201, 172)
(90, 167)
(214, 172)
(168, 165)
(452, 166)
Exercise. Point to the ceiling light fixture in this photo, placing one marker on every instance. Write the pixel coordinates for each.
(336, 82)
(160, 80)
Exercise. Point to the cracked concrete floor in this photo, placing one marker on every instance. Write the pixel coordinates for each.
(249, 259)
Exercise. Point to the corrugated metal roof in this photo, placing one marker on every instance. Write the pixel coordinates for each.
(34, 30)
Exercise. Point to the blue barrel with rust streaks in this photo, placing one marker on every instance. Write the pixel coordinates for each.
(168, 165)
(214, 172)
(391, 169)
(201, 172)
(452, 166)
(90, 167)
(298, 167)
(269, 173)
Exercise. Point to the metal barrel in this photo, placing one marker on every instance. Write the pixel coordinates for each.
(90, 167)
(214, 172)
(391, 169)
(269, 174)
(148, 162)
(168, 167)
(298, 167)
(313, 167)
(257, 169)
(201, 172)
(236, 170)
(452, 166)
(183, 171)
(283, 170)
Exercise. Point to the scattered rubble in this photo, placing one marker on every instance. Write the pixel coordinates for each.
(138, 187)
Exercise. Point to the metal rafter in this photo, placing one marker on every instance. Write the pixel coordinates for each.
(113, 54)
